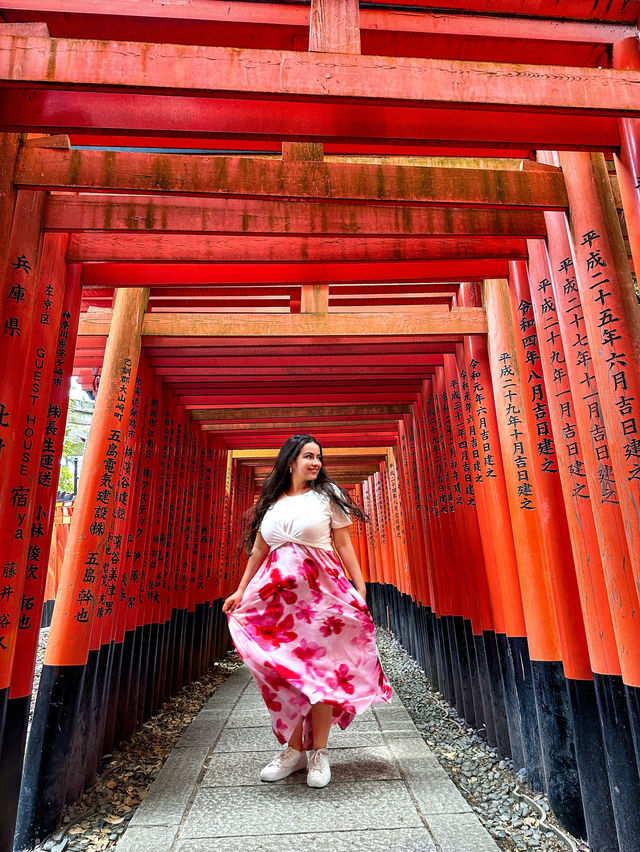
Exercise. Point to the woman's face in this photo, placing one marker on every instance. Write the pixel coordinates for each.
(308, 462)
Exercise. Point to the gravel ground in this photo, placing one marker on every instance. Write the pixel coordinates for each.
(516, 817)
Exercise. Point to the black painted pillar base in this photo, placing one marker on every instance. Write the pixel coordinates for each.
(484, 690)
(188, 651)
(78, 741)
(4, 698)
(44, 784)
(592, 766)
(512, 703)
(145, 662)
(528, 714)
(557, 745)
(47, 613)
(97, 708)
(633, 704)
(497, 695)
(11, 757)
(624, 781)
(152, 672)
(467, 708)
(129, 676)
(112, 698)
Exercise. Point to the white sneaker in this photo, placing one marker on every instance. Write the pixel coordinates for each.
(319, 771)
(289, 760)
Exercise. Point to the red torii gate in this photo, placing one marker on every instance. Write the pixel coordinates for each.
(443, 459)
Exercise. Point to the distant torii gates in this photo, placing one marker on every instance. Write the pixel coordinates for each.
(462, 333)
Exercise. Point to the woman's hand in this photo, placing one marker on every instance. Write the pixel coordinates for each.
(361, 589)
(232, 602)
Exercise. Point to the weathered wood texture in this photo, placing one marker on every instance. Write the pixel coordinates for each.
(185, 69)
(99, 171)
(589, 24)
(291, 249)
(457, 322)
(257, 216)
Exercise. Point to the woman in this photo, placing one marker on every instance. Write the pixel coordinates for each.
(303, 630)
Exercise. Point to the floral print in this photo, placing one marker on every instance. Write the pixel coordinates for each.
(306, 635)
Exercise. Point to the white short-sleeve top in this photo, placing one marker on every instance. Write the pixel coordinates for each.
(306, 519)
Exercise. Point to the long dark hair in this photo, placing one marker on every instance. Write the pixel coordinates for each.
(279, 481)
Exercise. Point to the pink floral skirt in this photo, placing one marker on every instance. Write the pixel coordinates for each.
(306, 636)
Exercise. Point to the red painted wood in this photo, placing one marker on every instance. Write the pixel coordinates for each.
(153, 248)
(588, 424)
(184, 69)
(204, 22)
(257, 216)
(594, 609)
(21, 467)
(71, 626)
(416, 130)
(545, 467)
(97, 171)
(185, 274)
(33, 589)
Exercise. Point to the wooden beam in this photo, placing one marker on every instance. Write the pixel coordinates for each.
(294, 425)
(129, 172)
(258, 216)
(300, 414)
(121, 118)
(204, 13)
(185, 69)
(158, 275)
(267, 453)
(204, 248)
(457, 322)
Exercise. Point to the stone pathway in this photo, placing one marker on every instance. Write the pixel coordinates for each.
(388, 792)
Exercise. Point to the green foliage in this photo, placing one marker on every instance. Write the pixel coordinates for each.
(65, 483)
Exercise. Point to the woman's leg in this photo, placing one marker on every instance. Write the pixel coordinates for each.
(296, 737)
(321, 716)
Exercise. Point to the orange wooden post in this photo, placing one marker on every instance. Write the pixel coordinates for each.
(131, 623)
(525, 508)
(498, 544)
(37, 469)
(32, 378)
(54, 727)
(586, 422)
(544, 462)
(565, 760)
(9, 146)
(612, 323)
(17, 304)
(594, 605)
(458, 551)
(480, 612)
(626, 54)
(443, 628)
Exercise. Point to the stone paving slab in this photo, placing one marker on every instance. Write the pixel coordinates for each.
(347, 764)
(283, 808)
(388, 791)
(373, 840)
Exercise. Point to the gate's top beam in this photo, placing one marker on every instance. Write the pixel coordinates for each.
(208, 18)
(292, 75)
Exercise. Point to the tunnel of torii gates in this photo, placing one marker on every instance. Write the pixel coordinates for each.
(411, 233)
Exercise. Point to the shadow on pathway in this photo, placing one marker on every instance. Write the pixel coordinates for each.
(388, 792)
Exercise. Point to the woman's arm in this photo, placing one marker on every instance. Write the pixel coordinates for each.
(258, 553)
(342, 543)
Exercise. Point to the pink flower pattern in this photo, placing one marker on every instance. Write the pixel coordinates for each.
(306, 636)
